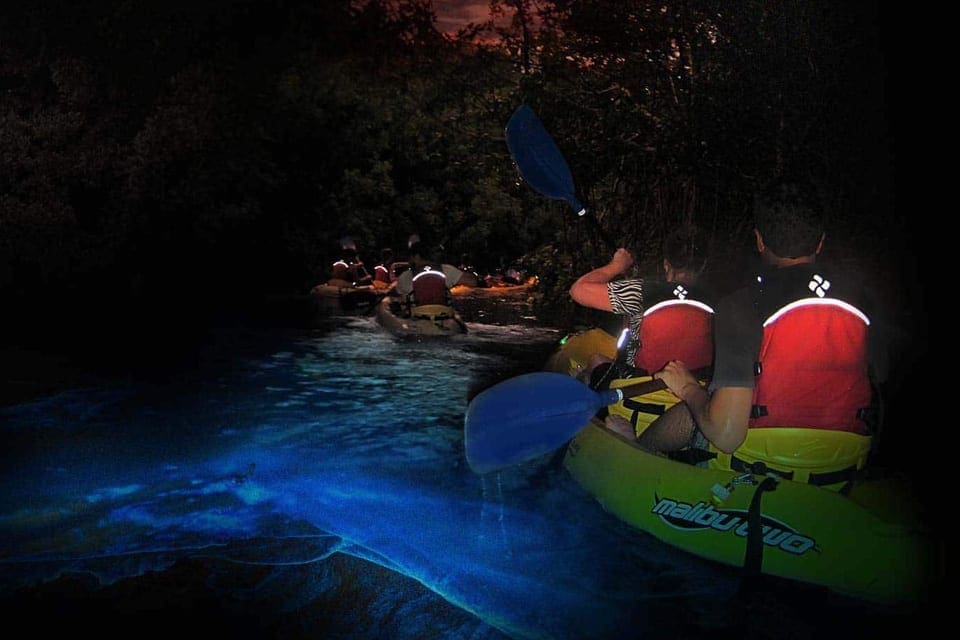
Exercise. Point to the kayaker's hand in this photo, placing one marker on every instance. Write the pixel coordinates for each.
(676, 376)
(622, 260)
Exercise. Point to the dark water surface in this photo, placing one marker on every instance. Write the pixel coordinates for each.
(311, 483)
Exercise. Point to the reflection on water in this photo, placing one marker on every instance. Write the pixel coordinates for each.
(332, 461)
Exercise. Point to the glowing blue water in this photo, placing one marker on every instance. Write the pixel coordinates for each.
(342, 442)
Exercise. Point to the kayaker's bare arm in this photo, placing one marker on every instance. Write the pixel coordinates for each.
(722, 417)
(590, 289)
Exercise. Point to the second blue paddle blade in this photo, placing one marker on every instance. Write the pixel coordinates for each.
(525, 417)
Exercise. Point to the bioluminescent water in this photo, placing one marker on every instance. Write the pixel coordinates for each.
(347, 443)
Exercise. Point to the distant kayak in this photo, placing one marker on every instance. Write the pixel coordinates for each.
(498, 289)
(336, 297)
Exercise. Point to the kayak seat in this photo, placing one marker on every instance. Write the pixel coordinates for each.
(829, 459)
(432, 312)
(826, 458)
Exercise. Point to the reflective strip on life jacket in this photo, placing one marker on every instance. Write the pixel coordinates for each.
(381, 273)
(430, 287)
(812, 370)
(816, 301)
(341, 270)
(676, 330)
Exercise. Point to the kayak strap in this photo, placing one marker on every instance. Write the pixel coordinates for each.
(848, 475)
(759, 467)
(753, 558)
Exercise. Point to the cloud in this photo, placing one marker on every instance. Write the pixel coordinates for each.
(456, 14)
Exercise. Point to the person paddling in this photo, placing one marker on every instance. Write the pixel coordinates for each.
(665, 317)
(427, 281)
(348, 270)
(793, 384)
(383, 277)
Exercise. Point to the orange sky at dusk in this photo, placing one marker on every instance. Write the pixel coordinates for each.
(456, 14)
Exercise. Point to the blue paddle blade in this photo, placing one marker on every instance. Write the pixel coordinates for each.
(538, 159)
(527, 416)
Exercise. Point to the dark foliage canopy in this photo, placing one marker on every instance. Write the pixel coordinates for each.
(173, 152)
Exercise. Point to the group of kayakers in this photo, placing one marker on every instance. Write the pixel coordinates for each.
(791, 349)
(428, 281)
(423, 279)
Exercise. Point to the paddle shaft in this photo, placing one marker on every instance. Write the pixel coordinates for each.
(655, 384)
(604, 236)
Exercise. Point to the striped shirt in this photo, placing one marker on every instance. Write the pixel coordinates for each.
(626, 299)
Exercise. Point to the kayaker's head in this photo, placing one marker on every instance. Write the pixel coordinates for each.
(789, 224)
(685, 252)
(349, 254)
(420, 254)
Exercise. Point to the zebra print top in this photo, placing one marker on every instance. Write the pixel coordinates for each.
(626, 299)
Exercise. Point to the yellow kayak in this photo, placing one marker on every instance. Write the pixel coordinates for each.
(338, 296)
(497, 290)
(869, 543)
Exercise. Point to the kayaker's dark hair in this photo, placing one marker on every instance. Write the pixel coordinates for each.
(686, 247)
(421, 248)
(790, 218)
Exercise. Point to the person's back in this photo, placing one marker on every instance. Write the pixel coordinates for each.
(666, 318)
(812, 365)
(427, 282)
(348, 270)
(430, 286)
(677, 327)
(791, 357)
(382, 272)
(677, 320)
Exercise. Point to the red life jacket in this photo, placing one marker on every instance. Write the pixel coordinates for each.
(675, 330)
(813, 367)
(430, 287)
(381, 274)
(341, 270)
